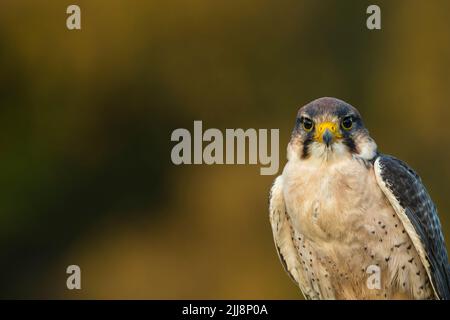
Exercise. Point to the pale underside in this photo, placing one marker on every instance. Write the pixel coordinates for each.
(333, 226)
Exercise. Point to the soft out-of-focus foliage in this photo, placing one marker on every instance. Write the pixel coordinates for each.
(86, 118)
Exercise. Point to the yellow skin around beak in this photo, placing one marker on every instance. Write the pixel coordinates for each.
(323, 127)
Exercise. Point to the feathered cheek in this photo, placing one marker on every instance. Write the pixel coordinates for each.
(340, 149)
(367, 148)
(294, 148)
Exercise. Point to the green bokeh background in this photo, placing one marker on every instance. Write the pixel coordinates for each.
(86, 118)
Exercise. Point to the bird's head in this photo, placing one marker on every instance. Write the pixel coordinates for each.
(328, 128)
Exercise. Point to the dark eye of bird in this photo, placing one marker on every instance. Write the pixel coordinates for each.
(347, 123)
(307, 124)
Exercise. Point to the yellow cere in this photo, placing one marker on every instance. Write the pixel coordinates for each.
(331, 126)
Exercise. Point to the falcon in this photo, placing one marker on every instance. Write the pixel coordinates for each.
(341, 212)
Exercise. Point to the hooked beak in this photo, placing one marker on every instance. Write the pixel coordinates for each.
(327, 133)
(327, 137)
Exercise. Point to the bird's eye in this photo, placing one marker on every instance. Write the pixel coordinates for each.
(347, 123)
(307, 124)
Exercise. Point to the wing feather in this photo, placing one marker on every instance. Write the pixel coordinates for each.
(412, 203)
(282, 235)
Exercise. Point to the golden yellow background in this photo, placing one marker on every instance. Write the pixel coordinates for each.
(86, 118)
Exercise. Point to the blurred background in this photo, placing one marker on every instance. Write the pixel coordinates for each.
(86, 118)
